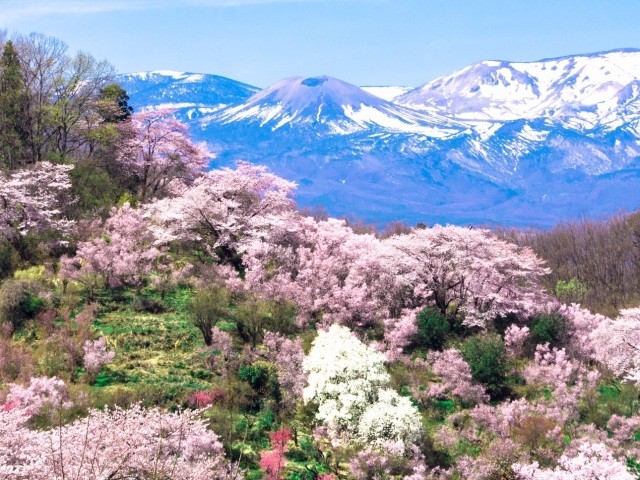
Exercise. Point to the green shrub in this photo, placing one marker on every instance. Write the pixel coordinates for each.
(433, 328)
(571, 291)
(262, 378)
(549, 329)
(252, 319)
(8, 259)
(487, 358)
(19, 302)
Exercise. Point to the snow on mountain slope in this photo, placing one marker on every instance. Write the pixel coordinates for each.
(387, 93)
(584, 91)
(509, 143)
(182, 90)
(331, 106)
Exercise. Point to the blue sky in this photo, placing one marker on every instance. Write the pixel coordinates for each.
(365, 42)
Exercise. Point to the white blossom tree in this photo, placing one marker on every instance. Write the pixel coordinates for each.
(349, 383)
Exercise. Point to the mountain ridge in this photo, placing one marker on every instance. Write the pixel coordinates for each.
(499, 143)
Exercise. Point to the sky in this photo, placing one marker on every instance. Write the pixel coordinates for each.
(364, 42)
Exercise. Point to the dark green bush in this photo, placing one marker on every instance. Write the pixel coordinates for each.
(487, 358)
(256, 375)
(433, 328)
(262, 378)
(8, 259)
(549, 329)
(19, 302)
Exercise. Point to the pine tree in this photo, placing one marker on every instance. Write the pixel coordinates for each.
(114, 103)
(13, 134)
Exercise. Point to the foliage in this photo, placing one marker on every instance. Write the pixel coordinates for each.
(487, 359)
(207, 308)
(548, 328)
(433, 328)
(19, 301)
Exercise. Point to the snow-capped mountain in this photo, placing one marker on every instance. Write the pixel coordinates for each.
(327, 105)
(585, 91)
(191, 94)
(496, 142)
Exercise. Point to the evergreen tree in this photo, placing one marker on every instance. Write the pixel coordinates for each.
(13, 135)
(115, 103)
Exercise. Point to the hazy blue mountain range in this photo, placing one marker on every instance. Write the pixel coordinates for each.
(496, 142)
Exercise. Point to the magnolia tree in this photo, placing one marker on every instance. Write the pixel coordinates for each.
(161, 151)
(471, 271)
(35, 199)
(223, 209)
(353, 391)
(123, 255)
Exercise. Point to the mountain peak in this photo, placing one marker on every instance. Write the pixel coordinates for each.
(327, 104)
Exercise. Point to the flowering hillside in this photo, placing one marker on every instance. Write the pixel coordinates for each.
(161, 321)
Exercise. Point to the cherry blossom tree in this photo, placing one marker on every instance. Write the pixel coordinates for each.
(114, 443)
(391, 460)
(592, 461)
(123, 255)
(288, 356)
(310, 263)
(616, 343)
(160, 151)
(514, 338)
(96, 356)
(223, 210)
(40, 392)
(455, 376)
(35, 199)
(550, 367)
(472, 272)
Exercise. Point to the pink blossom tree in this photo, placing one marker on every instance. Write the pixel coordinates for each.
(514, 339)
(96, 355)
(310, 263)
(35, 199)
(455, 376)
(123, 255)
(551, 367)
(272, 462)
(223, 210)
(616, 344)
(472, 272)
(118, 443)
(593, 460)
(160, 152)
(288, 356)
